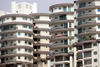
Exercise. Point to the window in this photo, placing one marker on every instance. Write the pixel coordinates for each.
(30, 27)
(25, 58)
(37, 17)
(25, 26)
(94, 44)
(62, 17)
(69, 25)
(25, 42)
(18, 57)
(18, 49)
(98, 10)
(26, 50)
(25, 34)
(18, 41)
(29, 35)
(69, 9)
(59, 8)
(95, 53)
(3, 20)
(69, 33)
(83, 12)
(29, 43)
(30, 51)
(14, 18)
(29, 59)
(95, 60)
(99, 27)
(18, 33)
(98, 18)
(23, 65)
(24, 18)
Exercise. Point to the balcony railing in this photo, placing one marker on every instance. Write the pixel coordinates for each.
(9, 52)
(11, 60)
(86, 38)
(59, 27)
(9, 44)
(14, 28)
(85, 5)
(58, 52)
(92, 21)
(59, 35)
(59, 44)
(11, 36)
(86, 13)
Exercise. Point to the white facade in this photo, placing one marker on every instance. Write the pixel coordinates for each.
(23, 8)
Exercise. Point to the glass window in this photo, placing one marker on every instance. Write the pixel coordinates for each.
(29, 43)
(95, 60)
(95, 53)
(29, 35)
(3, 20)
(24, 18)
(98, 18)
(59, 8)
(29, 59)
(99, 27)
(18, 49)
(26, 50)
(30, 27)
(25, 26)
(18, 41)
(37, 17)
(98, 10)
(30, 51)
(18, 57)
(18, 33)
(69, 9)
(14, 18)
(23, 65)
(94, 44)
(83, 12)
(25, 58)
(25, 34)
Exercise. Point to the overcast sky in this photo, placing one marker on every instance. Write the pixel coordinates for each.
(43, 5)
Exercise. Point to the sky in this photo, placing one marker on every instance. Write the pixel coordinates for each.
(43, 5)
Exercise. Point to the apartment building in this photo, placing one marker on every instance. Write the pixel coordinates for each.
(41, 39)
(86, 20)
(62, 35)
(24, 37)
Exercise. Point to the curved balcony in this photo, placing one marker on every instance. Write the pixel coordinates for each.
(17, 23)
(58, 29)
(55, 21)
(88, 16)
(59, 45)
(82, 1)
(18, 38)
(46, 37)
(61, 37)
(16, 15)
(87, 32)
(41, 29)
(40, 44)
(61, 5)
(60, 13)
(42, 22)
(13, 62)
(61, 53)
(13, 31)
(41, 52)
(16, 54)
(15, 46)
(87, 13)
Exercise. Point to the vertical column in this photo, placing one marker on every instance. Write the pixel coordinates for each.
(34, 8)
(13, 7)
(71, 61)
(75, 64)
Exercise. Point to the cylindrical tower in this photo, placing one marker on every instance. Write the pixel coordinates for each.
(41, 39)
(62, 35)
(88, 27)
(16, 40)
